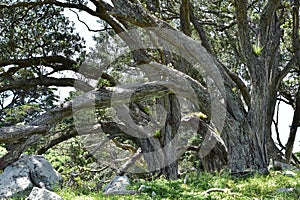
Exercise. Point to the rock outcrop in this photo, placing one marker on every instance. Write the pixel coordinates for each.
(30, 170)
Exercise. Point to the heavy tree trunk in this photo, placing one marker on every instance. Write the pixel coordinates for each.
(160, 150)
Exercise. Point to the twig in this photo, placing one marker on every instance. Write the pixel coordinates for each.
(130, 162)
(99, 30)
(226, 190)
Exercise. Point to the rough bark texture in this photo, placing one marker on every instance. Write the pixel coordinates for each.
(293, 129)
(160, 148)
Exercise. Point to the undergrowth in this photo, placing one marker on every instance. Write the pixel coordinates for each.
(255, 187)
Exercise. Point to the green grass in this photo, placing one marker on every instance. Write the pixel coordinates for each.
(260, 187)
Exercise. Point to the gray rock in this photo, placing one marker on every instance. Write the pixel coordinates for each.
(42, 193)
(118, 183)
(29, 171)
(14, 180)
(118, 186)
(285, 189)
(43, 175)
(281, 166)
(289, 173)
(143, 188)
(153, 194)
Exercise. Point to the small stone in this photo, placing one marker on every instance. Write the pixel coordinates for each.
(153, 194)
(143, 188)
(289, 173)
(118, 183)
(285, 189)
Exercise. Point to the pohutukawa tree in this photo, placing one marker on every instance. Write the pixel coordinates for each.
(251, 46)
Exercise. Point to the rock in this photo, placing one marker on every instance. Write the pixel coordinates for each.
(280, 166)
(143, 188)
(153, 194)
(43, 175)
(117, 183)
(118, 186)
(14, 180)
(42, 193)
(289, 173)
(285, 189)
(29, 171)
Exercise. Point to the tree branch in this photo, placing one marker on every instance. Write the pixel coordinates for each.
(185, 17)
(59, 63)
(241, 85)
(244, 34)
(266, 18)
(200, 30)
(92, 30)
(48, 2)
(45, 81)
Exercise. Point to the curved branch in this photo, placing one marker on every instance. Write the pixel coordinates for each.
(58, 63)
(293, 129)
(48, 2)
(200, 30)
(69, 134)
(46, 81)
(92, 30)
(241, 85)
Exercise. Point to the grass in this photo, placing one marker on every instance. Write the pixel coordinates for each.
(255, 187)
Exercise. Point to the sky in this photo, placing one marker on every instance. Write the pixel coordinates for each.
(286, 111)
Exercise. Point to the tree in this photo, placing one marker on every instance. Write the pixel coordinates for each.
(253, 46)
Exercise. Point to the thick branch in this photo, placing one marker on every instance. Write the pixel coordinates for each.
(244, 33)
(45, 81)
(48, 2)
(15, 134)
(185, 17)
(65, 136)
(57, 63)
(267, 17)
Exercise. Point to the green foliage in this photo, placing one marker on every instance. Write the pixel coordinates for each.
(68, 157)
(41, 30)
(257, 186)
(102, 83)
(257, 49)
(157, 134)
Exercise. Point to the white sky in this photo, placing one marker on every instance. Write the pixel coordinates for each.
(286, 111)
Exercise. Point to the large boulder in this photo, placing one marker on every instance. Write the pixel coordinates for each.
(42, 193)
(29, 171)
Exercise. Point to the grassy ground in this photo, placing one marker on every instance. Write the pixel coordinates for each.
(255, 187)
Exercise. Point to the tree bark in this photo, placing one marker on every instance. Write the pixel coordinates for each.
(293, 129)
(160, 149)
